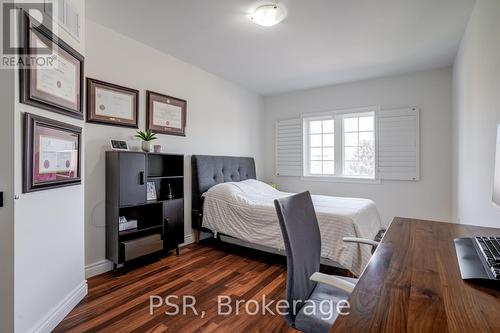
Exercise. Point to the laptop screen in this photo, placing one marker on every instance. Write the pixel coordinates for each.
(496, 181)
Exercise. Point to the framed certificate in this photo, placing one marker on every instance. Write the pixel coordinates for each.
(59, 87)
(111, 104)
(165, 114)
(52, 154)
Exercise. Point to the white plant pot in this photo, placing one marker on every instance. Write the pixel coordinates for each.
(147, 146)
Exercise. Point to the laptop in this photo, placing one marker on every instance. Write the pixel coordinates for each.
(479, 257)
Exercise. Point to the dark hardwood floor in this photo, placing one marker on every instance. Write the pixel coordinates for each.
(120, 301)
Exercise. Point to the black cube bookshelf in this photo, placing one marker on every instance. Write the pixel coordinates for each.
(160, 222)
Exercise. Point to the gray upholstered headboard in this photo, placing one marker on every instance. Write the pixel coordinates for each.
(208, 171)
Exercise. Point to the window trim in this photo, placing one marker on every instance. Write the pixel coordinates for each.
(341, 179)
(338, 117)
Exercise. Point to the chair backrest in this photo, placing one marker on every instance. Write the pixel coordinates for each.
(302, 239)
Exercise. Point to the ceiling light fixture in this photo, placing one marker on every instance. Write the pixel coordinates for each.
(268, 15)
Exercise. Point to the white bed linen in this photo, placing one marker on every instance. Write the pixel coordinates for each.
(245, 210)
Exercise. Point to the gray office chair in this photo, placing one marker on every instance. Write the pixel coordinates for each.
(306, 288)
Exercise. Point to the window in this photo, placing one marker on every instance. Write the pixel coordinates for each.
(350, 144)
(322, 147)
(340, 145)
(359, 146)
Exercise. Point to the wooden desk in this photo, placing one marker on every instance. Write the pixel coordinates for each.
(413, 284)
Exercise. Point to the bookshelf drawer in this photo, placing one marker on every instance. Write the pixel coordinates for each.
(141, 246)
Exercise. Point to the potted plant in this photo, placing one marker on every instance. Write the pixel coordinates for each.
(146, 138)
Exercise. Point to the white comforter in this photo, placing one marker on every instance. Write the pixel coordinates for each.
(245, 210)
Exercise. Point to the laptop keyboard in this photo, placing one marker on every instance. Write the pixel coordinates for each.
(490, 248)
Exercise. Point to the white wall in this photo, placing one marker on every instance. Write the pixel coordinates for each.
(49, 234)
(476, 115)
(222, 118)
(7, 212)
(431, 91)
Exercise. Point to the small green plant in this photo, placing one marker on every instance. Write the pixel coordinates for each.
(146, 136)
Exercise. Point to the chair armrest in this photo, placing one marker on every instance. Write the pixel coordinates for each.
(333, 281)
(360, 241)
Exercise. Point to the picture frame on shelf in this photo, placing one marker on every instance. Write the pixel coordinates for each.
(165, 114)
(52, 154)
(57, 87)
(111, 104)
(151, 191)
(120, 145)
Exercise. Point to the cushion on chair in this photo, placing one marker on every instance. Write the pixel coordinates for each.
(322, 319)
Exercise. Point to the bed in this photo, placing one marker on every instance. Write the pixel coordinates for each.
(229, 202)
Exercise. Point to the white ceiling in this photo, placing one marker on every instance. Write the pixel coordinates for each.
(321, 42)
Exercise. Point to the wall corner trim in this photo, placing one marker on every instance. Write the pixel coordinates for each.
(61, 310)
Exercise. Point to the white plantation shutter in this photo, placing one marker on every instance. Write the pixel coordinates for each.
(398, 144)
(289, 138)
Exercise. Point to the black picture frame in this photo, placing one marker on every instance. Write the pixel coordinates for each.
(27, 76)
(92, 117)
(31, 122)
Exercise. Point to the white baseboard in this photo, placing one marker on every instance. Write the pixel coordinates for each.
(97, 268)
(61, 310)
(188, 239)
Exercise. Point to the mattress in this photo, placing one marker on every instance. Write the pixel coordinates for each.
(245, 210)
